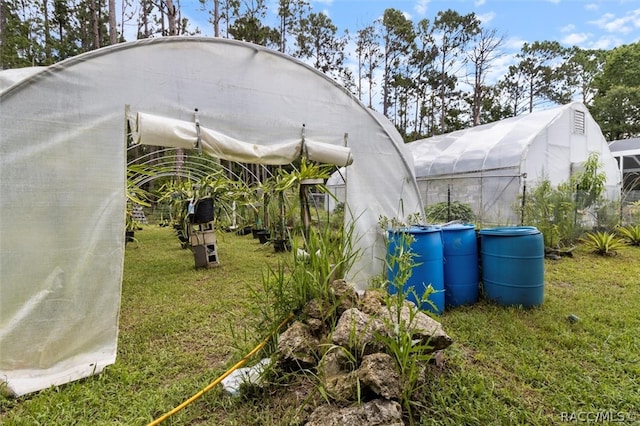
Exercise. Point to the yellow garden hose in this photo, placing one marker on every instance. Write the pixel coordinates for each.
(221, 378)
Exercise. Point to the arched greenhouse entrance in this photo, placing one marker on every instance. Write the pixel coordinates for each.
(63, 174)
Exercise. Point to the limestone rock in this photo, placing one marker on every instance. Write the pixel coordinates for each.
(378, 372)
(356, 332)
(374, 413)
(422, 326)
(344, 387)
(371, 301)
(316, 326)
(297, 346)
(316, 309)
(345, 295)
(334, 363)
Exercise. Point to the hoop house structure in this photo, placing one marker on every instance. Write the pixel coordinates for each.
(627, 153)
(62, 177)
(488, 167)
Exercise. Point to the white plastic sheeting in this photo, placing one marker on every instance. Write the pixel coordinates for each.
(13, 76)
(627, 154)
(488, 166)
(163, 131)
(62, 179)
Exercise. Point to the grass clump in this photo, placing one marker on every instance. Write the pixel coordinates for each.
(411, 356)
(325, 255)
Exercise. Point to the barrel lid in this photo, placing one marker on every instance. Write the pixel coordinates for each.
(458, 227)
(416, 229)
(508, 231)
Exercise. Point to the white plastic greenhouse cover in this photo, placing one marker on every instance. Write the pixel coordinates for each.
(627, 153)
(151, 129)
(62, 179)
(487, 166)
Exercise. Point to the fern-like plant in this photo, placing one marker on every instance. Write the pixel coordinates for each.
(603, 243)
(630, 234)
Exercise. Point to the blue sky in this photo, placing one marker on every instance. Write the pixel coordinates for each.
(600, 24)
(588, 24)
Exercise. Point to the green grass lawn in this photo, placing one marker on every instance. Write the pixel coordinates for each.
(181, 328)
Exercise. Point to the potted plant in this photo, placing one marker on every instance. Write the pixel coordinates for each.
(131, 224)
(308, 174)
(137, 197)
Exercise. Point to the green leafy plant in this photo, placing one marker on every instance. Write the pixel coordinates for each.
(631, 211)
(446, 212)
(630, 234)
(136, 197)
(602, 243)
(590, 182)
(555, 211)
(323, 257)
(288, 180)
(552, 211)
(131, 224)
(410, 356)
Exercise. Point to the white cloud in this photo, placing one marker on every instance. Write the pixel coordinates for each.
(485, 18)
(605, 43)
(568, 28)
(591, 6)
(635, 18)
(479, 3)
(421, 7)
(325, 2)
(500, 67)
(575, 39)
(514, 43)
(624, 25)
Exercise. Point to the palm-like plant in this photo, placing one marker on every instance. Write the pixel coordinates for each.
(603, 243)
(136, 195)
(630, 234)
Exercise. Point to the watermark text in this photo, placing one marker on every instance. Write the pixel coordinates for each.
(600, 416)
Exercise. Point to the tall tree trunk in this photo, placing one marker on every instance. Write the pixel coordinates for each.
(47, 35)
(172, 14)
(477, 98)
(145, 18)
(443, 112)
(3, 24)
(360, 66)
(95, 23)
(216, 18)
(370, 75)
(531, 90)
(113, 27)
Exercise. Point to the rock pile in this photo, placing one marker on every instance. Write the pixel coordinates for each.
(351, 360)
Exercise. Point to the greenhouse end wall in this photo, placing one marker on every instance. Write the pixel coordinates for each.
(493, 198)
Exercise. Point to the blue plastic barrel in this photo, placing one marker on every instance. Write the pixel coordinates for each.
(461, 275)
(512, 261)
(428, 267)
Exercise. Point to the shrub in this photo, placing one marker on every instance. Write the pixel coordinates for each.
(630, 234)
(631, 212)
(555, 211)
(443, 212)
(602, 243)
(552, 211)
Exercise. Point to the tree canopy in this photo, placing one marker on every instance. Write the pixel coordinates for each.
(428, 77)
